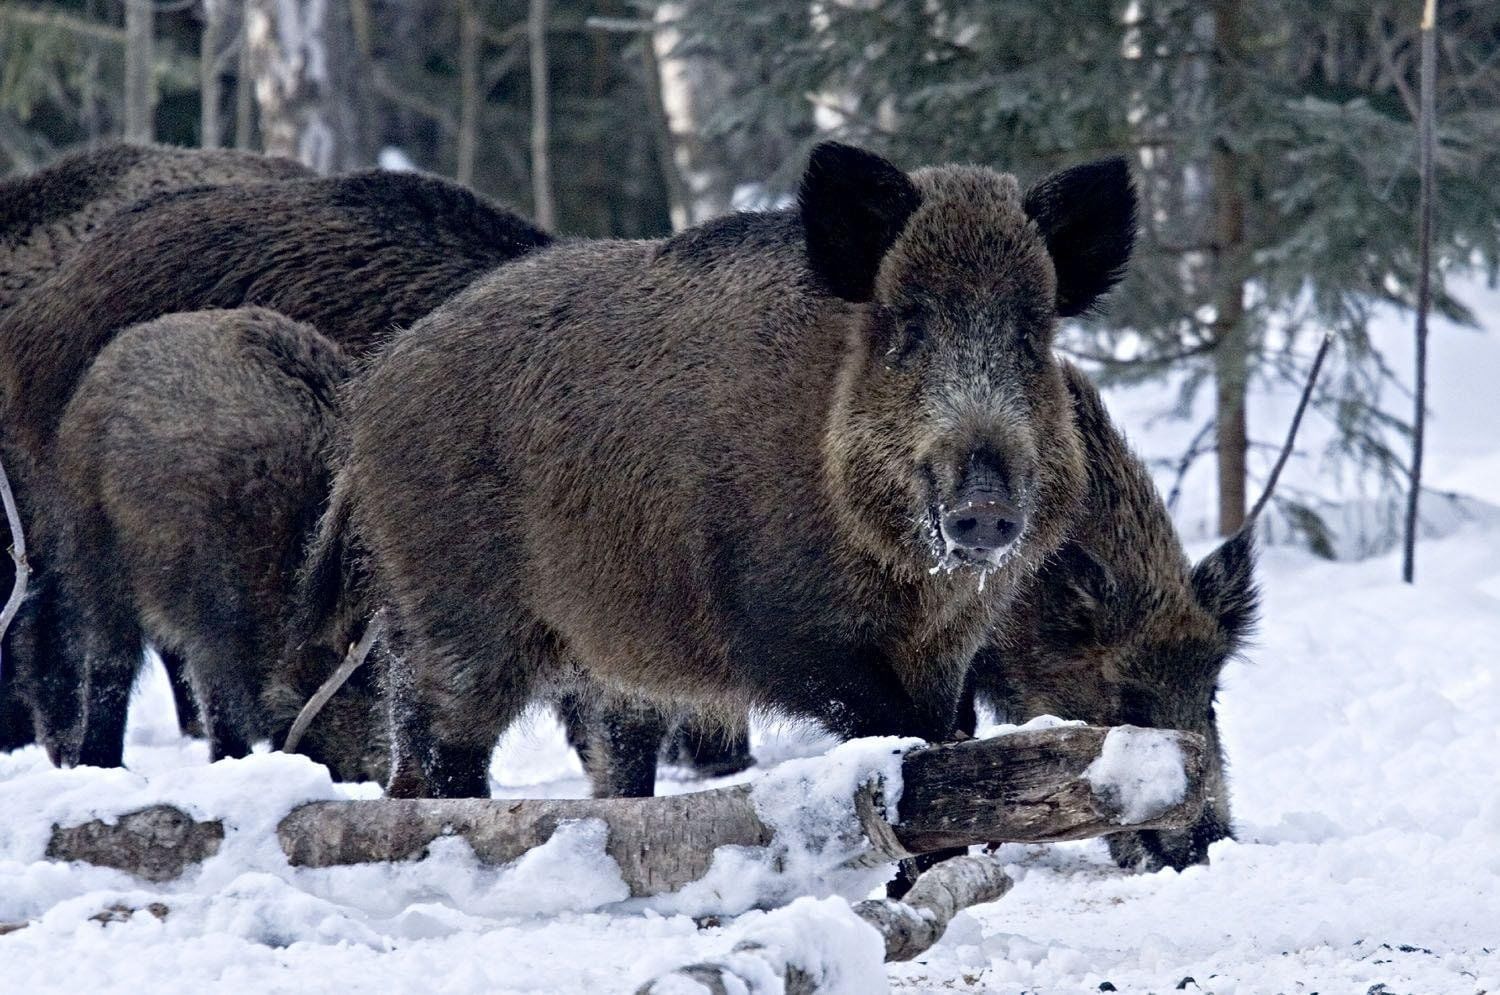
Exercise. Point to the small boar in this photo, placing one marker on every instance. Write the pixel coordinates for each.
(193, 462)
(356, 256)
(44, 218)
(1118, 628)
(795, 460)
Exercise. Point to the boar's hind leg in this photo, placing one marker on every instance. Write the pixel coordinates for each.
(114, 648)
(226, 671)
(709, 748)
(623, 739)
(447, 713)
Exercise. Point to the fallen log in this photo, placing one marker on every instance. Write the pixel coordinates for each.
(909, 928)
(1034, 786)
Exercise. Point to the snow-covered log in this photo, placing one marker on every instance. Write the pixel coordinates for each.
(1039, 785)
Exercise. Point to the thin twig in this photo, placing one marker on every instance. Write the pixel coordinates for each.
(1291, 435)
(1194, 450)
(352, 660)
(17, 554)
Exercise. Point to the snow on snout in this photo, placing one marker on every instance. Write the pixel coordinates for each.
(1139, 772)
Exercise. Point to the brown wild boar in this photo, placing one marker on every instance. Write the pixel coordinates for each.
(46, 216)
(193, 464)
(796, 460)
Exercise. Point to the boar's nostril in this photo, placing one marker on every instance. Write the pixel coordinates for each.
(983, 526)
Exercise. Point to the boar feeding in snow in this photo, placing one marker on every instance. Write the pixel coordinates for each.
(1118, 628)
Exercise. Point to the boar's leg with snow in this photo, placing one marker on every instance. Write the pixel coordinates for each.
(193, 462)
(1118, 628)
(796, 460)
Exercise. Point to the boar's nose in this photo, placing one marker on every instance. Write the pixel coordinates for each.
(983, 527)
(983, 519)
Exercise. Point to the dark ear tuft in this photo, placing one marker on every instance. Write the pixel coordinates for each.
(854, 204)
(1224, 582)
(1078, 607)
(1087, 216)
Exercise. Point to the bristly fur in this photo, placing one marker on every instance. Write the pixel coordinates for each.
(192, 460)
(45, 216)
(1118, 628)
(692, 471)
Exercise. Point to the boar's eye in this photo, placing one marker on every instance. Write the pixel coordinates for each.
(906, 341)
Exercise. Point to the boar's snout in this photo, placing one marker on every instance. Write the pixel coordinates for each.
(983, 518)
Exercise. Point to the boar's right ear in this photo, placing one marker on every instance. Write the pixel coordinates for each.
(853, 204)
(1087, 217)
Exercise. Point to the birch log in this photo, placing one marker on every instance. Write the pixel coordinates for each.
(1027, 787)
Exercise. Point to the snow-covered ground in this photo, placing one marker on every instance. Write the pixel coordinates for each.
(1363, 730)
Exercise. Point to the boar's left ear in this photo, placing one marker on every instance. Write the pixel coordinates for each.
(1224, 582)
(1087, 217)
(1079, 606)
(853, 204)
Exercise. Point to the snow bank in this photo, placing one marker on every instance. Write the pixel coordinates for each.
(1139, 773)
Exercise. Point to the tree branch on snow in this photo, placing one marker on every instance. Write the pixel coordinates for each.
(908, 927)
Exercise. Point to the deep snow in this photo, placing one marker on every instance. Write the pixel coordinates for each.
(1362, 729)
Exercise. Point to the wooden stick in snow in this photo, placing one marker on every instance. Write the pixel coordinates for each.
(352, 660)
(1026, 787)
(17, 555)
(909, 928)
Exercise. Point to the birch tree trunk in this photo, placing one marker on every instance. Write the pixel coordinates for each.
(306, 69)
(541, 137)
(210, 123)
(140, 98)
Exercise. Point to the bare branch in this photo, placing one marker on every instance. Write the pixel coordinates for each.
(17, 555)
(1291, 435)
(356, 656)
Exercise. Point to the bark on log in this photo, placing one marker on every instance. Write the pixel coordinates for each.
(156, 843)
(1026, 787)
(909, 927)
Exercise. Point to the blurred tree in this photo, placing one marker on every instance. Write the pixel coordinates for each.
(1275, 145)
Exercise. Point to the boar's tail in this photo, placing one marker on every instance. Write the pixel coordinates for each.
(331, 606)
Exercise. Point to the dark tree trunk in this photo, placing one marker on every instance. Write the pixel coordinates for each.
(1427, 140)
(1231, 368)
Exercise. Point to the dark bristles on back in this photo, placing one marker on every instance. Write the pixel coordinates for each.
(1087, 217)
